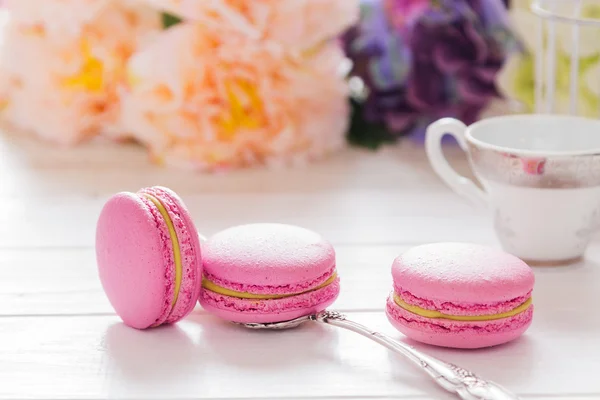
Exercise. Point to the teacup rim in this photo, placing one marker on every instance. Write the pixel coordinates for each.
(524, 152)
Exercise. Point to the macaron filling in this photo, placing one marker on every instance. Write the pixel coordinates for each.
(437, 314)
(213, 287)
(274, 310)
(408, 322)
(458, 307)
(174, 243)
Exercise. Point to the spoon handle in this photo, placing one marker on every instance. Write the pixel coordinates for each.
(465, 384)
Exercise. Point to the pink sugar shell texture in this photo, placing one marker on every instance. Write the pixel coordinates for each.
(460, 279)
(268, 259)
(136, 262)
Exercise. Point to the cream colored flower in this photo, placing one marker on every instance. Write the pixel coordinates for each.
(293, 23)
(208, 99)
(64, 86)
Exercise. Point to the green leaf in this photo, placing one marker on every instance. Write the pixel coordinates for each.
(168, 20)
(364, 134)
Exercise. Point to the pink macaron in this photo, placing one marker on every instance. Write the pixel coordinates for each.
(460, 295)
(262, 273)
(148, 256)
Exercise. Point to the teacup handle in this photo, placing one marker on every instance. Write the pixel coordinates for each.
(433, 145)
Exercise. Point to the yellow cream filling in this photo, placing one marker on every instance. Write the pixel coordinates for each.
(174, 243)
(436, 314)
(208, 285)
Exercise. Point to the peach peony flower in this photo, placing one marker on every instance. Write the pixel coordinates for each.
(55, 17)
(297, 24)
(69, 81)
(209, 99)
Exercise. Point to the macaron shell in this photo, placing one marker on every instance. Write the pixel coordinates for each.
(134, 261)
(189, 247)
(274, 310)
(461, 273)
(458, 334)
(262, 255)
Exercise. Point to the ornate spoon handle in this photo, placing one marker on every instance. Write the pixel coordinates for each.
(465, 384)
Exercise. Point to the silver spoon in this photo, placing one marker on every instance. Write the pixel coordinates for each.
(454, 379)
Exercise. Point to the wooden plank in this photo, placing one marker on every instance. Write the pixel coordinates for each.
(62, 282)
(346, 172)
(60, 340)
(29, 168)
(202, 357)
(65, 282)
(364, 217)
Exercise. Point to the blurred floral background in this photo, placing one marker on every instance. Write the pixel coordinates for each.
(224, 84)
(517, 77)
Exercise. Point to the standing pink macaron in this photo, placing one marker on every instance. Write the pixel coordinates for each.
(261, 273)
(460, 295)
(148, 256)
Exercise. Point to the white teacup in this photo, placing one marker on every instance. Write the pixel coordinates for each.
(540, 176)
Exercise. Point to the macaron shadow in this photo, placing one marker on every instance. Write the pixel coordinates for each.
(265, 349)
(516, 360)
(277, 352)
(154, 356)
(566, 310)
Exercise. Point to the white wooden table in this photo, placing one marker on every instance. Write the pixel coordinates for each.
(59, 338)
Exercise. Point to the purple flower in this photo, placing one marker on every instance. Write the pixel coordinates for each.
(457, 51)
(426, 59)
(403, 13)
